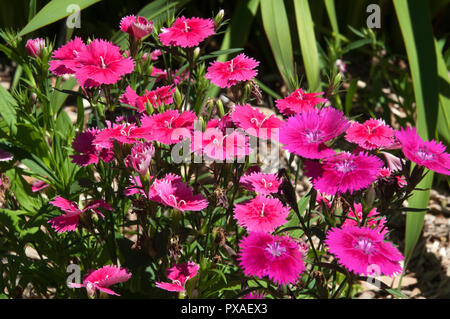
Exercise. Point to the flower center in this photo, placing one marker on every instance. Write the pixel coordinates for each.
(275, 249)
(103, 63)
(186, 27)
(254, 120)
(313, 136)
(230, 66)
(345, 166)
(365, 245)
(300, 96)
(266, 185)
(126, 131)
(169, 123)
(75, 53)
(423, 154)
(262, 210)
(177, 203)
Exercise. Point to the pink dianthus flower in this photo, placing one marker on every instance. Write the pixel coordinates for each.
(264, 184)
(371, 134)
(299, 101)
(227, 74)
(64, 59)
(179, 274)
(187, 32)
(137, 27)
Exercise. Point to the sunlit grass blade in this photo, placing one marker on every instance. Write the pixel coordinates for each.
(415, 23)
(331, 11)
(443, 124)
(308, 44)
(53, 11)
(278, 33)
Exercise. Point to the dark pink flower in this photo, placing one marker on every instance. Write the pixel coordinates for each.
(299, 101)
(354, 218)
(137, 27)
(169, 127)
(279, 258)
(124, 133)
(384, 172)
(179, 274)
(171, 191)
(5, 156)
(186, 32)
(371, 134)
(35, 46)
(101, 63)
(102, 279)
(305, 133)
(83, 143)
(253, 295)
(343, 172)
(64, 59)
(401, 181)
(140, 157)
(69, 221)
(220, 147)
(364, 251)
(430, 154)
(264, 184)
(226, 74)
(255, 122)
(261, 214)
(160, 96)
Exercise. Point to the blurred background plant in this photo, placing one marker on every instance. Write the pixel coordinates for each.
(398, 72)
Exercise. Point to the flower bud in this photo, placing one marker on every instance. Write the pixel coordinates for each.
(218, 18)
(140, 157)
(35, 47)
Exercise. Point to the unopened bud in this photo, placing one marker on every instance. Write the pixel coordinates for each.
(218, 18)
(177, 98)
(220, 109)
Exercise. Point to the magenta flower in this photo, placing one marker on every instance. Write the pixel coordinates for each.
(255, 122)
(38, 185)
(160, 96)
(430, 154)
(140, 157)
(179, 274)
(305, 133)
(363, 251)
(299, 101)
(343, 172)
(69, 221)
(219, 146)
(187, 33)
(124, 133)
(226, 74)
(279, 258)
(64, 59)
(35, 46)
(137, 27)
(83, 143)
(261, 214)
(5, 156)
(264, 184)
(169, 127)
(101, 63)
(102, 279)
(253, 295)
(371, 134)
(354, 218)
(171, 191)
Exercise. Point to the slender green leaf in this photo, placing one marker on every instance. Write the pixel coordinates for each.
(331, 11)
(415, 24)
(7, 109)
(443, 125)
(308, 44)
(276, 26)
(53, 11)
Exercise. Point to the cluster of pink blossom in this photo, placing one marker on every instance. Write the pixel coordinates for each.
(309, 131)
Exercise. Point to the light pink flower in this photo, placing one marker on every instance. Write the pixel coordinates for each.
(38, 185)
(305, 133)
(227, 74)
(140, 157)
(430, 154)
(261, 214)
(186, 32)
(299, 101)
(69, 221)
(173, 192)
(343, 172)
(394, 163)
(364, 251)
(137, 27)
(83, 143)
(354, 218)
(64, 59)
(159, 96)
(102, 279)
(279, 258)
(384, 172)
(371, 134)
(169, 127)
(101, 63)
(255, 122)
(264, 184)
(35, 46)
(179, 274)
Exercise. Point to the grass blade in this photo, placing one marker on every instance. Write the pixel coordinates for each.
(308, 44)
(276, 26)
